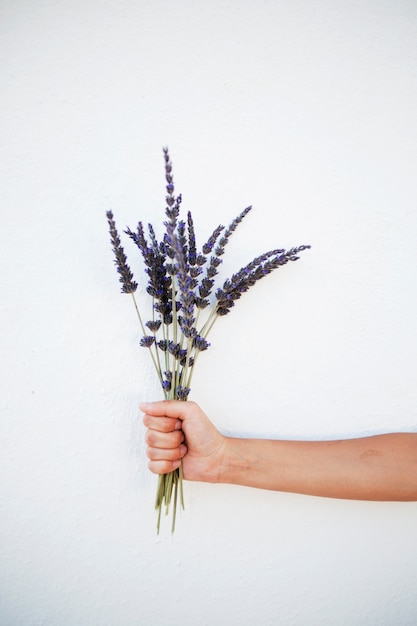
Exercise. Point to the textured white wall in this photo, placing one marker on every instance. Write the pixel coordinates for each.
(305, 110)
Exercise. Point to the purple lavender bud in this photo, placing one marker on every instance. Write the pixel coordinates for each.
(200, 343)
(195, 271)
(182, 392)
(165, 309)
(166, 385)
(211, 270)
(187, 328)
(205, 288)
(206, 284)
(201, 303)
(183, 361)
(153, 325)
(167, 318)
(171, 269)
(174, 349)
(147, 341)
(151, 291)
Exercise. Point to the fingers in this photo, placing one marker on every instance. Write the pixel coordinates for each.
(166, 441)
(165, 421)
(162, 424)
(163, 454)
(163, 461)
(169, 408)
(163, 467)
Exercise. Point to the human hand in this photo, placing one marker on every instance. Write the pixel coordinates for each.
(180, 430)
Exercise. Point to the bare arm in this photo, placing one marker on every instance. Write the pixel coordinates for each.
(381, 467)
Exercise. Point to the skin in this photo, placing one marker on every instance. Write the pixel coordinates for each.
(381, 467)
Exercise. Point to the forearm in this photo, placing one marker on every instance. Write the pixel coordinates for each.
(382, 467)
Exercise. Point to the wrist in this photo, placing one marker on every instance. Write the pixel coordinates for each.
(235, 461)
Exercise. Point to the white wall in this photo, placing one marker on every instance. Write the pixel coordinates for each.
(305, 110)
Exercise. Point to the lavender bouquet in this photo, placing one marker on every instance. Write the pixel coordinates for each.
(183, 307)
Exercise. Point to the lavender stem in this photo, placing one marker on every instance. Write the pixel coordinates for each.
(158, 369)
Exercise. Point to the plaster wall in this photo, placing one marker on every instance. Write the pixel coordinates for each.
(306, 110)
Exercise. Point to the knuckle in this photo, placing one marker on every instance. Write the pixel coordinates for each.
(166, 425)
(177, 438)
(159, 467)
(153, 467)
(149, 437)
(168, 455)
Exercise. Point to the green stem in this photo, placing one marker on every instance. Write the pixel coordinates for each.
(209, 322)
(138, 314)
(205, 335)
(174, 381)
(154, 359)
(186, 372)
(165, 335)
(174, 310)
(155, 343)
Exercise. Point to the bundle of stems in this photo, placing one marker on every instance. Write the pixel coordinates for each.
(180, 283)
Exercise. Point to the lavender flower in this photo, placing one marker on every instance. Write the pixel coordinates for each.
(154, 326)
(207, 282)
(180, 282)
(247, 276)
(200, 343)
(185, 283)
(147, 341)
(230, 230)
(166, 385)
(159, 284)
(182, 392)
(126, 276)
(173, 203)
(192, 250)
(208, 246)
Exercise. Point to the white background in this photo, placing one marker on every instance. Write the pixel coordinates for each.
(307, 111)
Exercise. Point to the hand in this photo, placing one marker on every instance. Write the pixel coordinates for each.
(181, 430)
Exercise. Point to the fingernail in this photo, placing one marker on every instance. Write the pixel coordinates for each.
(176, 464)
